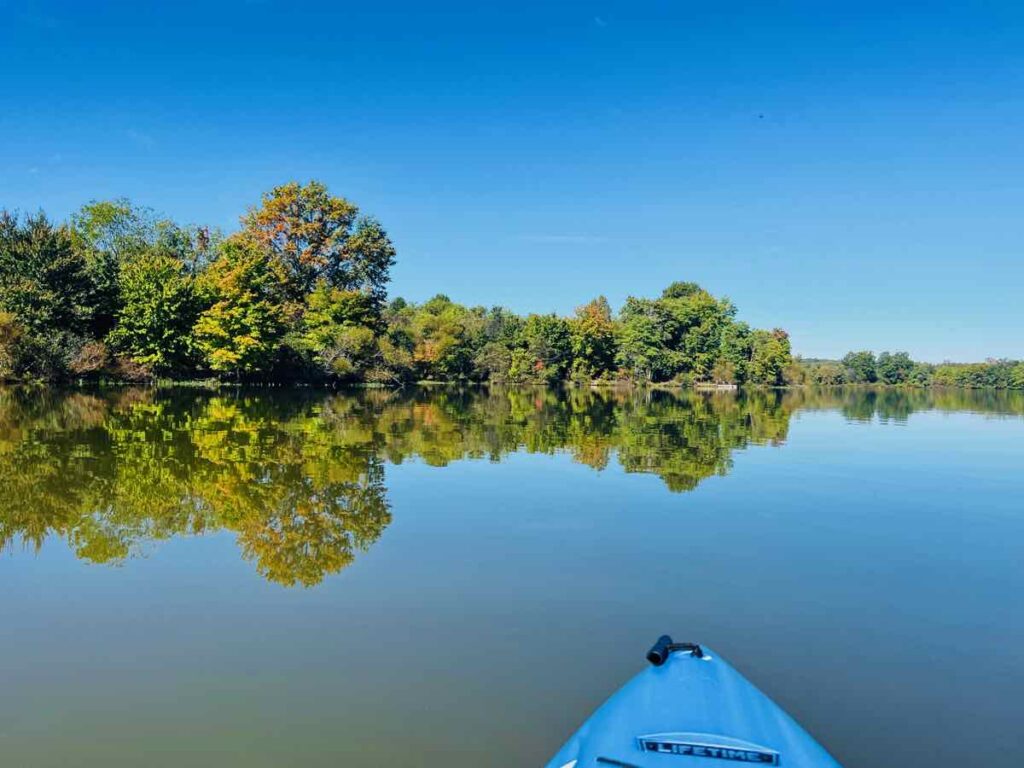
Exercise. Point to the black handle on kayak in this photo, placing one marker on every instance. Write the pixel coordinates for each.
(660, 651)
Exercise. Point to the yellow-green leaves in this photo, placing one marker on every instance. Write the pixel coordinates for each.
(242, 328)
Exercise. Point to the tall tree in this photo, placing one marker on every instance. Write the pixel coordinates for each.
(315, 236)
(592, 337)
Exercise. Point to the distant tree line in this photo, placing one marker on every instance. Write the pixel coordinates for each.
(300, 293)
(897, 368)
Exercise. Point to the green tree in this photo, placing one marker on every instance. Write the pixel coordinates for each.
(894, 368)
(441, 344)
(45, 284)
(368, 255)
(493, 361)
(699, 321)
(736, 349)
(592, 338)
(680, 335)
(524, 367)
(860, 367)
(159, 308)
(114, 230)
(112, 233)
(338, 330)
(770, 356)
(1017, 376)
(645, 333)
(43, 277)
(241, 330)
(503, 326)
(546, 339)
(921, 374)
(109, 233)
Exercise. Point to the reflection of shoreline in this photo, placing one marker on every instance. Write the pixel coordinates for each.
(299, 475)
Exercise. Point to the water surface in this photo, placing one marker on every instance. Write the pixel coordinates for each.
(456, 578)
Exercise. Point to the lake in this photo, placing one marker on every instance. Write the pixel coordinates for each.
(439, 577)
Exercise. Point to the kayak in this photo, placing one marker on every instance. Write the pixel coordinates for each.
(689, 709)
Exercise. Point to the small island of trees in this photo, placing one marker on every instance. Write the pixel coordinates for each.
(299, 294)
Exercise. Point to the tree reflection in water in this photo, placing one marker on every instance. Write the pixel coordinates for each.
(299, 476)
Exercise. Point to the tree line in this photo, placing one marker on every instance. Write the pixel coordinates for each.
(897, 368)
(300, 293)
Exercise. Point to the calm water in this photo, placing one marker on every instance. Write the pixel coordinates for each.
(457, 578)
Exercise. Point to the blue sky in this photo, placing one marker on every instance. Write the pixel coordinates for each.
(852, 172)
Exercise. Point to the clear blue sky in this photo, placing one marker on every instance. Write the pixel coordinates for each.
(852, 172)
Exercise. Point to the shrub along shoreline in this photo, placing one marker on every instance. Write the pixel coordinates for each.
(299, 295)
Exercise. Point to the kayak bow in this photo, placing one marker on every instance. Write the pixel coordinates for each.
(689, 708)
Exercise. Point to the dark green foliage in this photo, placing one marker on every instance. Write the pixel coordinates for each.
(894, 367)
(546, 341)
(46, 286)
(687, 334)
(44, 279)
(493, 361)
(860, 367)
(369, 256)
(681, 290)
(645, 340)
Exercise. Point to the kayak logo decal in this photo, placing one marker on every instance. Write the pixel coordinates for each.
(706, 745)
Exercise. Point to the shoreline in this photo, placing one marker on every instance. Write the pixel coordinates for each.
(665, 386)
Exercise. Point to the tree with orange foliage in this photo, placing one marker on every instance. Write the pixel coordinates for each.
(314, 236)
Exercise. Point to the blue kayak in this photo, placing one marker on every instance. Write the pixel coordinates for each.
(689, 710)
